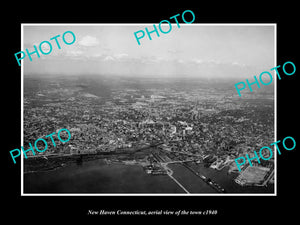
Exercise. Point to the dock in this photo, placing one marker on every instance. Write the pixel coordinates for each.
(211, 183)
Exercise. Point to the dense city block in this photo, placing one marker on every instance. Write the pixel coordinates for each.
(154, 123)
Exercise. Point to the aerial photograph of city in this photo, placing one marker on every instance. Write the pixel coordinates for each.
(162, 117)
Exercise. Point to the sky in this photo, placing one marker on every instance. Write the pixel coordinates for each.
(201, 50)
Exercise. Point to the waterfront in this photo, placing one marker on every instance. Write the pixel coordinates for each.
(226, 180)
(189, 180)
(191, 113)
(97, 176)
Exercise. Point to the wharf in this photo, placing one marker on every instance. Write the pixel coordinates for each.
(211, 183)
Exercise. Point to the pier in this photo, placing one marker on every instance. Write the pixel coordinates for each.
(211, 183)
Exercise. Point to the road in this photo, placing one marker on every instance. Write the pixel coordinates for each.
(170, 173)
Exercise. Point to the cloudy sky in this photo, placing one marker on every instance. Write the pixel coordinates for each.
(191, 50)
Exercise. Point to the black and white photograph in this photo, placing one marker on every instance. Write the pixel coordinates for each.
(160, 116)
(160, 113)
